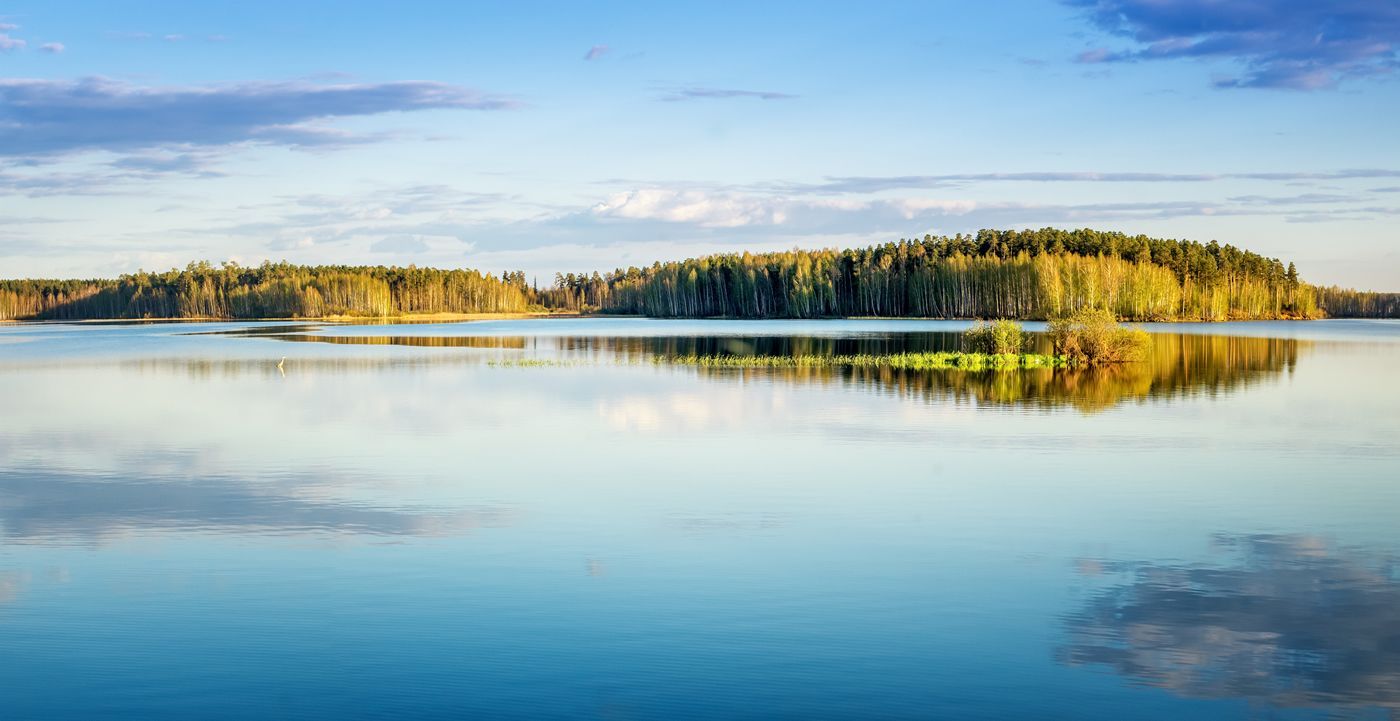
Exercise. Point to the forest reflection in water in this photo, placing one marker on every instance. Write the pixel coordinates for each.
(1293, 621)
(187, 517)
(1181, 365)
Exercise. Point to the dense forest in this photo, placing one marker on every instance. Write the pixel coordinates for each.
(271, 290)
(1003, 274)
(1347, 303)
(1030, 274)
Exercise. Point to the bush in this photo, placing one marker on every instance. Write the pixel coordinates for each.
(999, 337)
(1093, 336)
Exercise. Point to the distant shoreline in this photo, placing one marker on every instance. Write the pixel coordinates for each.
(415, 317)
(470, 317)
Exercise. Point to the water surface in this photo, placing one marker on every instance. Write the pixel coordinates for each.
(536, 519)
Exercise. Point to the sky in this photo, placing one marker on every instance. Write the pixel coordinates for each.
(581, 136)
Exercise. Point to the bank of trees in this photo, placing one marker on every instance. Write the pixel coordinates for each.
(271, 290)
(1347, 303)
(1029, 274)
(575, 292)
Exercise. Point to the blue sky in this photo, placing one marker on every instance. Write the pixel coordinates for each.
(581, 136)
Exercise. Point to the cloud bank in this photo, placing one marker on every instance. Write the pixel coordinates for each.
(50, 117)
(874, 184)
(1291, 44)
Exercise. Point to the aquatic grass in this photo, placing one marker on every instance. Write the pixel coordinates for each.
(915, 361)
(558, 362)
(536, 363)
(942, 360)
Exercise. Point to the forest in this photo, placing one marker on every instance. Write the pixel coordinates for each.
(271, 290)
(1023, 274)
(1033, 274)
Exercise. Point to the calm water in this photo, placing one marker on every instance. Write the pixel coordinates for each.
(409, 521)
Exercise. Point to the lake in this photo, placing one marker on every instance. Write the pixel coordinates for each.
(544, 519)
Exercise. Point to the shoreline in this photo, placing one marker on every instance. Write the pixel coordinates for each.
(343, 319)
(470, 317)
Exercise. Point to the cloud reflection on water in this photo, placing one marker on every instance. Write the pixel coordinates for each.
(1293, 621)
(54, 507)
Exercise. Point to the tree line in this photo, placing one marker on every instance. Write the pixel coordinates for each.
(1024, 274)
(1027, 274)
(271, 290)
(1030, 274)
(1347, 303)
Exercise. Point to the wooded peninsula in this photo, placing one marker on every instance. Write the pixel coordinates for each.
(1021, 274)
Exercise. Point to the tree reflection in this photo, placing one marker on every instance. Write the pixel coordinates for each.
(1181, 365)
(1294, 621)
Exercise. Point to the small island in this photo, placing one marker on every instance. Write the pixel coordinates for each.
(1089, 337)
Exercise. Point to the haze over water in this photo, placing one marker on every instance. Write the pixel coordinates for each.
(537, 519)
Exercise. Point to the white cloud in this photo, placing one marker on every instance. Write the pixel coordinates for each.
(708, 210)
(911, 208)
(683, 94)
(299, 242)
(719, 209)
(400, 244)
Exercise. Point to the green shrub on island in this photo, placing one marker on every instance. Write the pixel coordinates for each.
(999, 337)
(1093, 336)
(1086, 337)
